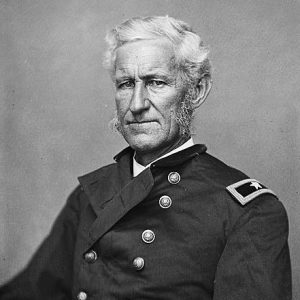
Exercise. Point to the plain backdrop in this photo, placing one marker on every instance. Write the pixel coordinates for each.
(57, 100)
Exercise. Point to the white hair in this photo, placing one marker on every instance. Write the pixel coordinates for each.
(191, 56)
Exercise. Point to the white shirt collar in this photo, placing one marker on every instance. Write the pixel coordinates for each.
(138, 168)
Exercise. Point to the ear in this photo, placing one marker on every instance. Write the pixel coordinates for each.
(202, 90)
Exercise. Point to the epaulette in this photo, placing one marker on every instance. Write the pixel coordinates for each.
(248, 189)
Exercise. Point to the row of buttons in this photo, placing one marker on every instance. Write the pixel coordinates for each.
(89, 257)
(148, 236)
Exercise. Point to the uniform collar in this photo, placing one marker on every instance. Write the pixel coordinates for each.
(125, 157)
(138, 168)
(180, 157)
(122, 170)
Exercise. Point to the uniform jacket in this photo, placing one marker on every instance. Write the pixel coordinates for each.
(205, 243)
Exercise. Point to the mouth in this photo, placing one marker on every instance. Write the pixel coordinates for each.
(140, 122)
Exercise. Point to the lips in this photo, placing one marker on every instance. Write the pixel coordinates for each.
(140, 122)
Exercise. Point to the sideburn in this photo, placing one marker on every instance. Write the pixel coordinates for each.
(185, 113)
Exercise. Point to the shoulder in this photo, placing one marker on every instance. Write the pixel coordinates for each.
(220, 173)
(234, 193)
(233, 182)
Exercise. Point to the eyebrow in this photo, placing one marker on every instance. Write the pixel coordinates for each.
(148, 76)
(164, 77)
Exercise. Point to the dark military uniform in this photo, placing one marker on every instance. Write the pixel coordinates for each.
(172, 232)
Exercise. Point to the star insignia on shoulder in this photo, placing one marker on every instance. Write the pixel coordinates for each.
(256, 185)
(248, 189)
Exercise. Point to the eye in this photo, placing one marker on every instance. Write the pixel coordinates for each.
(126, 85)
(156, 83)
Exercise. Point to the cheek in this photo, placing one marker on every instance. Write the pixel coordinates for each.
(123, 95)
(121, 105)
(170, 108)
(169, 117)
(118, 105)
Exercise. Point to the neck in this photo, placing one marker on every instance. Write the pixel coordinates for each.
(145, 158)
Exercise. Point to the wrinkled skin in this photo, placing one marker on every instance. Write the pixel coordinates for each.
(148, 96)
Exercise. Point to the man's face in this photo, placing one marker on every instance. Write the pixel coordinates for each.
(148, 95)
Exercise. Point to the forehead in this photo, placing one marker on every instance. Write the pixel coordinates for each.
(145, 56)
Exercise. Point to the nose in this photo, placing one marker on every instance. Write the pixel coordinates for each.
(139, 101)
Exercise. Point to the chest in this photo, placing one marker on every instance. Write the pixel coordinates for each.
(173, 227)
(178, 233)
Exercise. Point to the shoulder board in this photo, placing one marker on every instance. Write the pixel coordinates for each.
(248, 189)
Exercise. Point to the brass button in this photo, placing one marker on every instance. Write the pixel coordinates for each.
(82, 296)
(138, 263)
(174, 177)
(148, 236)
(90, 256)
(165, 201)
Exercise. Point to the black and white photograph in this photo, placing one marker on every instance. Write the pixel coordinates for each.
(150, 150)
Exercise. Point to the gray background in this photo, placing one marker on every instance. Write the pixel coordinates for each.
(56, 101)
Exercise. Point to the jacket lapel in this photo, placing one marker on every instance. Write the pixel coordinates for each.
(103, 184)
(112, 192)
(129, 196)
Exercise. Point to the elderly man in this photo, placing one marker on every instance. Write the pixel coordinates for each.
(166, 220)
